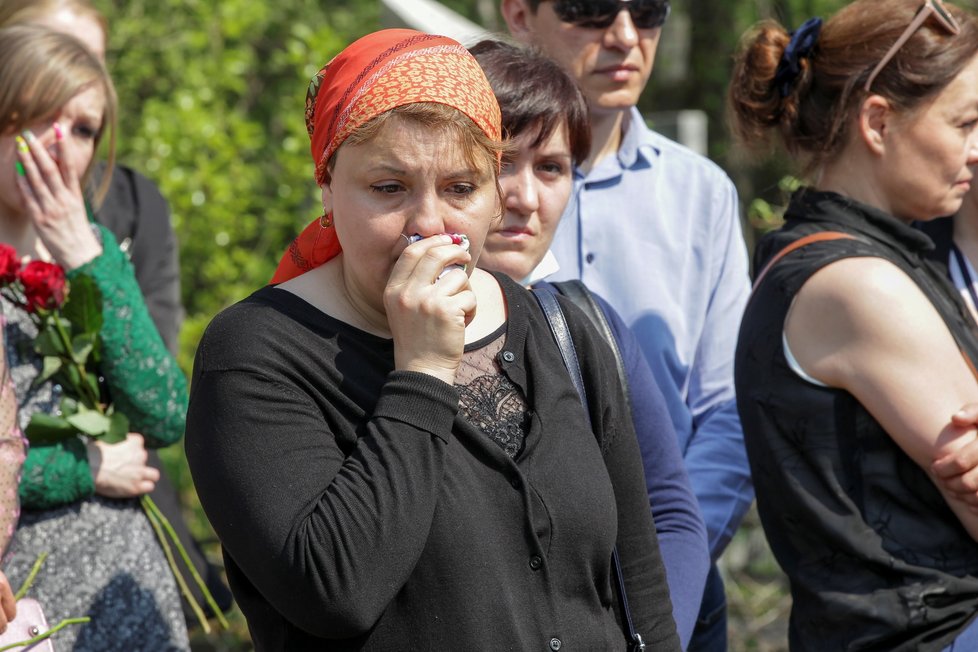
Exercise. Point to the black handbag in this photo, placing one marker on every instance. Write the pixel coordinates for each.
(558, 327)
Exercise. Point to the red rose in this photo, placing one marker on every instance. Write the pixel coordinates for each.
(44, 285)
(9, 264)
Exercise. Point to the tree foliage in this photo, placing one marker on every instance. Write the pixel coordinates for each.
(212, 97)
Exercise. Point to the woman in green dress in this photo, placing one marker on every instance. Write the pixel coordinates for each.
(79, 498)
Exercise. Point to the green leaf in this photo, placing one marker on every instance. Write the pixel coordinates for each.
(47, 342)
(68, 405)
(92, 380)
(73, 377)
(118, 428)
(90, 422)
(47, 429)
(52, 365)
(84, 305)
(82, 346)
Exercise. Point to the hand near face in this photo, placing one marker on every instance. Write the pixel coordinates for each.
(53, 157)
(427, 315)
(51, 191)
(958, 472)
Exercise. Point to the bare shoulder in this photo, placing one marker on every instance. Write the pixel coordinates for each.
(860, 293)
(857, 280)
(854, 309)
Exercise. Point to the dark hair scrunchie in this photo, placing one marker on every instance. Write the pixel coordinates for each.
(801, 46)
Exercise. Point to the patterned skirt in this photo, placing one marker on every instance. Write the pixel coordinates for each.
(105, 562)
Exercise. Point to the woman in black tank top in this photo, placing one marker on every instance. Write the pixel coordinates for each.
(854, 350)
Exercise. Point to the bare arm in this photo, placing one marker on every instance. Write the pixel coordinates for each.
(862, 325)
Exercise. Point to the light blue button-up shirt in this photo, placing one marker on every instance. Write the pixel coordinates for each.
(656, 231)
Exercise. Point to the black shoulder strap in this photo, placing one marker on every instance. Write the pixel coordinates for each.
(561, 332)
(582, 297)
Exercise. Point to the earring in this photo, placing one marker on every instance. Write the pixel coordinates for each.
(326, 220)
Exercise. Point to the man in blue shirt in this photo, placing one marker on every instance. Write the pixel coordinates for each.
(654, 228)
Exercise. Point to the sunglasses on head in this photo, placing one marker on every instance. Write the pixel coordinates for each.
(600, 14)
(930, 8)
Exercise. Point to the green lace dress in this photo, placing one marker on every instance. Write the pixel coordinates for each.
(104, 560)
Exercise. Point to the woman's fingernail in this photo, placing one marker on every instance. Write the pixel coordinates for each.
(22, 145)
(58, 134)
(20, 169)
(29, 135)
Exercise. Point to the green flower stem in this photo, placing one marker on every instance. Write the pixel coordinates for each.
(40, 637)
(177, 575)
(22, 591)
(150, 504)
(161, 523)
(82, 372)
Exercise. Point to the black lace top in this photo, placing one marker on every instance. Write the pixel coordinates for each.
(490, 400)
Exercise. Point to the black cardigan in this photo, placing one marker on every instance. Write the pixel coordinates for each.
(358, 511)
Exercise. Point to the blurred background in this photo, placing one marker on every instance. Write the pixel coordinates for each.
(212, 95)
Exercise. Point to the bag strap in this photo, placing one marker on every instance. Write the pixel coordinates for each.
(821, 236)
(584, 299)
(561, 333)
(558, 327)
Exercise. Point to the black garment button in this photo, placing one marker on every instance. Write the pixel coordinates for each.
(555, 644)
(515, 482)
(589, 258)
(535, 562)
(508, 356)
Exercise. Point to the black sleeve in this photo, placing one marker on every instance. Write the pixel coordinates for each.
(138, 215)
(638, 547)
(326, 536)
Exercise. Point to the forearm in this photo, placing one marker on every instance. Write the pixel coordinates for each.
(955, 439)
(144, 380)
(345, 527)
(719, 472)
(56, 474)
(683, 545)
(678, 523)
(715, 456)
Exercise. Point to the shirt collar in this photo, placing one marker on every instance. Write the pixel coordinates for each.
(637, 149)
(636, 142)
(544, 268)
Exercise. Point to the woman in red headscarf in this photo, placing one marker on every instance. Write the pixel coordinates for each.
(386, 440)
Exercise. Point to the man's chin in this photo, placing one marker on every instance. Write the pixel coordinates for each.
(615, 102)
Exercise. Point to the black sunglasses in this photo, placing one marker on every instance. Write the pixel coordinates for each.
(600, 14)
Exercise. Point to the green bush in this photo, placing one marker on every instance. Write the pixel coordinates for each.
(212, 97)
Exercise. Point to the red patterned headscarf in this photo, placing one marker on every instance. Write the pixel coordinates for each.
(375, 74)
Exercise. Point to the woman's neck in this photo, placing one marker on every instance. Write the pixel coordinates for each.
(853, 178)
